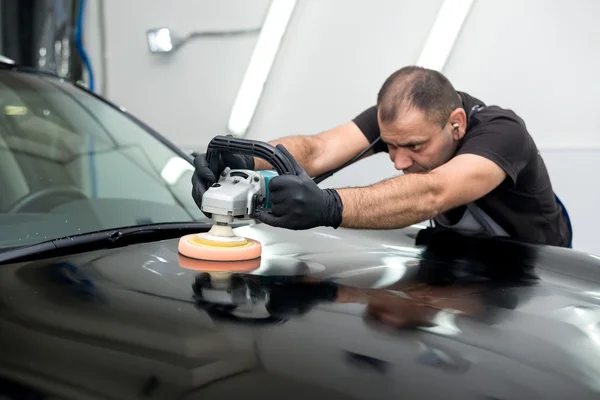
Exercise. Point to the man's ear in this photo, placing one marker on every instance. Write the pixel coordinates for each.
(458, 122)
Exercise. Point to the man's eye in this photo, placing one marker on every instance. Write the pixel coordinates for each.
(415, 147)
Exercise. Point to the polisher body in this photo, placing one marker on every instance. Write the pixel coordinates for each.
(235, 195)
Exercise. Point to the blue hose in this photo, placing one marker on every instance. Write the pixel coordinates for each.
(79, 45)
(88, 66)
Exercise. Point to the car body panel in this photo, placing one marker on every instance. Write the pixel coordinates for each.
(336, 313)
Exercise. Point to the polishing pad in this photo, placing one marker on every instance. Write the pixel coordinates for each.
(243, 266)
(209, 247)
(221, 236)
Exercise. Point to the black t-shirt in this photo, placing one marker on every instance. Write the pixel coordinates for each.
(524, 204)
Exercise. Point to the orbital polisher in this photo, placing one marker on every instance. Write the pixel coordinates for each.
(236, 195)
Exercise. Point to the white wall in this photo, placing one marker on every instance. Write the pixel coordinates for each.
(535, 57)
(186, 96)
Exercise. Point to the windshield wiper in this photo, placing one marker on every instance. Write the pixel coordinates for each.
(106, 239)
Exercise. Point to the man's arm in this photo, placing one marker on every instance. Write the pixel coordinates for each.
(322, 152)
(409, 199)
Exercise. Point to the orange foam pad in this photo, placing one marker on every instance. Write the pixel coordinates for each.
(243, 266)
(190, 246)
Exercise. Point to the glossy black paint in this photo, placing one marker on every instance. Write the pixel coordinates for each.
(329, 313)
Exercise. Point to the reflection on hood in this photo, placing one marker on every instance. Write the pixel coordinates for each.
(458, 274)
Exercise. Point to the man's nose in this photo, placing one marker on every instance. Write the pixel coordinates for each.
(402, 160)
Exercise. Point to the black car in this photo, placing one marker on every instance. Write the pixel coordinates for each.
(97, 303)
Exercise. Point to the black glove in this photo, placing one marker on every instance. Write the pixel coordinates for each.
(298, 203)
(203, 177)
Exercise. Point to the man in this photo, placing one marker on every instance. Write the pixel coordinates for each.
(467, 166)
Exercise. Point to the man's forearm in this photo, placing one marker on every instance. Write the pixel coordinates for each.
(394, 203)
(301, 147)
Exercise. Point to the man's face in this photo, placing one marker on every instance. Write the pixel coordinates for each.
(417, 144)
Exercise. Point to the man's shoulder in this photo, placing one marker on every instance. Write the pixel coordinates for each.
(499, 132)
(491, 113)
(495, 119)
(478, 112)
(500, 135)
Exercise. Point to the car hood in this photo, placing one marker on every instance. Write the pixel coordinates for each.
(336, 313)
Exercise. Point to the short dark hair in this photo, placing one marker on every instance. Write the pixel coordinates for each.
(413, 86)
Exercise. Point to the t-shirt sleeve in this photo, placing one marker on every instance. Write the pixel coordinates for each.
(504, 142)
(369, 126)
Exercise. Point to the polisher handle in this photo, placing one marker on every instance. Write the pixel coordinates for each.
(228, 144)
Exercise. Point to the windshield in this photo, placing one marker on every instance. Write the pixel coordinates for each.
(71, 164)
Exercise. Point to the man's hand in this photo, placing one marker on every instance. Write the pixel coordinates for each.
(203, 177)
(298, 203)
